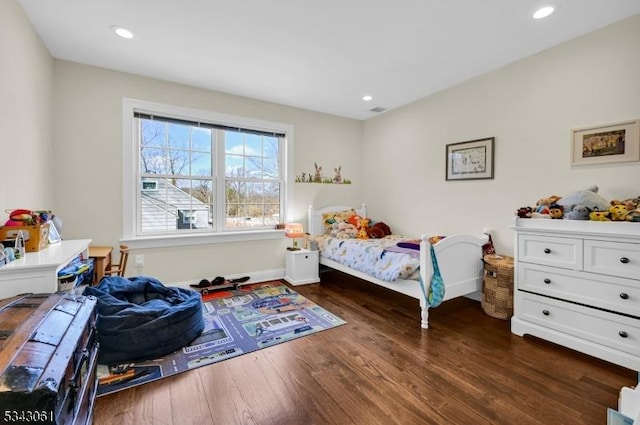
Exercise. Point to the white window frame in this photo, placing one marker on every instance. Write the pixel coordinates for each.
(131, 177)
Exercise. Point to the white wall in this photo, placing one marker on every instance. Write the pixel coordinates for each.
(88, 137)
(396, 161)
(530, 108)
(25, 114)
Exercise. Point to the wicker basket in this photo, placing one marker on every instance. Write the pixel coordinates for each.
(497, 288)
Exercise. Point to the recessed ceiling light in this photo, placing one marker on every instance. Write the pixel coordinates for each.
(543, 12)
(367, 98)
(122, 32)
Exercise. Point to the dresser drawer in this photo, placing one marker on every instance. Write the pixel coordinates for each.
(611, 293)
(550, 251)
(612, 258)
(610, 330)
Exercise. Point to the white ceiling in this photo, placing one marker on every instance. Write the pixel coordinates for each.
(323, 56)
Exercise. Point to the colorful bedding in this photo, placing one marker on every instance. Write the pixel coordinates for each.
(371, 256)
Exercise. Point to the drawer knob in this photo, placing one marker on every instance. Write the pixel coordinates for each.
(547, 251)
(624, 260)
(545, 312)
(547, 281)
(624, 295)
(623, 334)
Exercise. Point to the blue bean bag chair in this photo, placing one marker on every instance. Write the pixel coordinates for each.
(140, 319)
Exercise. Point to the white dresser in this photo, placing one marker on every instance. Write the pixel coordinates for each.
(577, 284)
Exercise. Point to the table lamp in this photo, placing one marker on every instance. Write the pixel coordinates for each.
(294, 231)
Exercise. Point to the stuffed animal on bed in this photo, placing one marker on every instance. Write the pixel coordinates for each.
(343, 230)
(363, 225)
(330, 218)
(378, 230)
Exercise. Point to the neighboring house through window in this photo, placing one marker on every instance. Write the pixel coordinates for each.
(195, 173)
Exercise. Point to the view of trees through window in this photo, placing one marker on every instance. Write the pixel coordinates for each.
(192, 172)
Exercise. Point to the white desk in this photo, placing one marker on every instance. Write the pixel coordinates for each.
(37, 272)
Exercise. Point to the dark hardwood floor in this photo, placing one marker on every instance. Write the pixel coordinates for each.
(382, 368)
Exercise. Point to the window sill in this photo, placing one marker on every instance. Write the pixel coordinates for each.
(144, 242)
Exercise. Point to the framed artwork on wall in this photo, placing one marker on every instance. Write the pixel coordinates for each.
(471, 160)
(605, 144)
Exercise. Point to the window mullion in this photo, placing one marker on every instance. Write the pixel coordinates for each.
(219, 179)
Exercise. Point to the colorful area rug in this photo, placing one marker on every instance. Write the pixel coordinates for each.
(237, 322)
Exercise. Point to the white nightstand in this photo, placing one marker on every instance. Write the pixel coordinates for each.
(302, 267)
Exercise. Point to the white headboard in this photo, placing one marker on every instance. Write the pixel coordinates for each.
(316, 226)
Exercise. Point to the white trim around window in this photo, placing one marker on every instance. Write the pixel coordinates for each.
(130, 176)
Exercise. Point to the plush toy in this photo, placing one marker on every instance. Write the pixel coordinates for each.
(547, 201)
(354, 220)
(539, 215)
(362, 227)
(542, 209)
(524, 212)
(631, 203)
(588, 198)
(578, 212)
(618, 212)
(378, 230)
(330, 218)
(556, 211)
(375, 232)
(599, 216)
(384, 226)
(343, 230)
(634, 216)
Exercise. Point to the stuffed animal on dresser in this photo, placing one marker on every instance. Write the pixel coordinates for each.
(599, 216)
(578, 212)
(588, 197)
(524, 212)
(556, 211)
(634, 216)
(618, 212)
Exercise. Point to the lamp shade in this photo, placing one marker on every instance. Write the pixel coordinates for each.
(293, 230)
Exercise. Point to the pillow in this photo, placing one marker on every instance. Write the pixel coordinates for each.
(331, 217)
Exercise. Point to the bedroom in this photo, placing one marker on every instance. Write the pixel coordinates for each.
(529, 106)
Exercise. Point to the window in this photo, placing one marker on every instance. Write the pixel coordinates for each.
(149, 185)
(194, 173)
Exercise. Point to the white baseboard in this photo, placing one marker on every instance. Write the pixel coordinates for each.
(258, 276)
(476, 296)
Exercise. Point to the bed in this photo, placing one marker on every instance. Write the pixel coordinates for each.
(459, 259)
